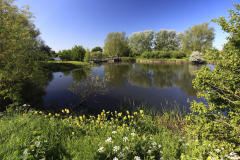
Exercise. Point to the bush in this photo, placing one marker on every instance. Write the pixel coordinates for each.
(178, 54)
(97, 54)
(196, 56)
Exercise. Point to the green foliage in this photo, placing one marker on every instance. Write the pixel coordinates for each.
(45, 49)
(140, 42)
(87, 55)
(167, 40)
(19, 53)
(97, 54)
(198, 38)
(128, 59)
(95, 49)
(65, 54)
(219, 121)
(115, 44)
(78, 53)
(53, 54)
(163, 54)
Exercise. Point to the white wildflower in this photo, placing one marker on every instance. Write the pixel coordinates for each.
(101, 149)
(127, 148)
(109, 140)
(133, 134)
(137, 158)
(232, 153)
(114, 132)
(125, 139)
(217, 150)
(150, 138)
(149, 151)
(154, 143)
(180, 140)
(161, 152)
(161, 158)
(121, 155)
(159, 146)
(116, 148)
(115, 158)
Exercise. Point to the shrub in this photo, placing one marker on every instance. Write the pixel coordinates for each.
(97, 54)
(196, 56)
(178, 54)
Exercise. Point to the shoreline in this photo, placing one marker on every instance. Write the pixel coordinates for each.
(163, 61)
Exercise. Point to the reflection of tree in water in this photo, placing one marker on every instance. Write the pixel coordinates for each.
(118, 73)
(140, 77)
(80, 75)
(66, 73)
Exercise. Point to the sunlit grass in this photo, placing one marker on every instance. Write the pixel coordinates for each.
(138, 134)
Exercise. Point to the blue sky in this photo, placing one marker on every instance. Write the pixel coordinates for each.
(65, 23)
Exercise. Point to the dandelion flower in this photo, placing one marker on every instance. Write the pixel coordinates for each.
(114, 132)
(100, 150)
(36, 112)
(125, 139)
(127, 112)
(137, 158)
(62, 111)
(40, 112)
(125, 118)
(108, 140)
(135, 113)
(116, 148)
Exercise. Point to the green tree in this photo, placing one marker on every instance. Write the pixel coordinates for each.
(18, 53)
(198, 38)
(115, 44)
(87, 55)
(52, 53)
(140, 42)
(78, 53)
(166, 40)
(65, 54)
(219, 121)
(95, 49)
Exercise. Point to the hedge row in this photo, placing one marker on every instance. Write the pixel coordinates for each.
(163, 54)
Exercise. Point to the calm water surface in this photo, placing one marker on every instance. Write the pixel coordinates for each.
(139, 82)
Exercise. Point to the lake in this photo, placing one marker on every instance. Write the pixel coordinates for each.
(139, 82)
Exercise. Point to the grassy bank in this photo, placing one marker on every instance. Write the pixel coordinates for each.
(141, 134)
(56, 66)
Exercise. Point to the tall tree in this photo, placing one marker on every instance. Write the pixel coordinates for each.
(78, 53)
(166, 40)
(18, 52)
(65, 54)
(95, 49)
(141, 41)
(115, 44)
(221, 88)
(198, 38)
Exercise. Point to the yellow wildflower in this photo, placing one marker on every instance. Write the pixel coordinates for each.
(92, 121)
(40, 112)
(115, 112)
(36, 112)
(49, 114)
(67, 111)
(127, 112)
(83, 116)
(56, 114)
(70, 117)
(120, 114)
(129, 116)
(81, 119)
(62, 111)
(34, 132)
(45, 116)
(135, 113)
(141, 111)
(103, 111)
(31, 146)
(125, 117)
(73, 133)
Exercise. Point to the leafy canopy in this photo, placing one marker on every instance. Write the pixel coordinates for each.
(219, 121)
(95, 49)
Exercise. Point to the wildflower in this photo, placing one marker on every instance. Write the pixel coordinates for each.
(222, 148)
(49, 114)
(108, 140)
(56, 114)
(133, 134)
(149, 151)
(150, 147)
(73, 133)
(183, 137)
(23, 114)
(209, 144)
(127, 112)
(34, 132)
(31, 146)
(126, 148)
(100, 150)
(159, 146)
(137, 158)
(180, 140)
(114, 132)
(161, 158)
(217, 150)
(45, 116)
(116, 148)
(115, 158)
(121, 155)
(129, 116)
(103, 111)
(119, 114)
(135, 113)
(232, 153)
(125, 118)
(115, 112)
(67, 111)
(161, 152)
(143, 147)
(40, 112)
(62, 111)
(125, 139)
(154, 143)
(36, 112)
(141, 111)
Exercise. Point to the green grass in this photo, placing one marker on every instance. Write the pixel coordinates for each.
(56, 66)
(142, 133)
